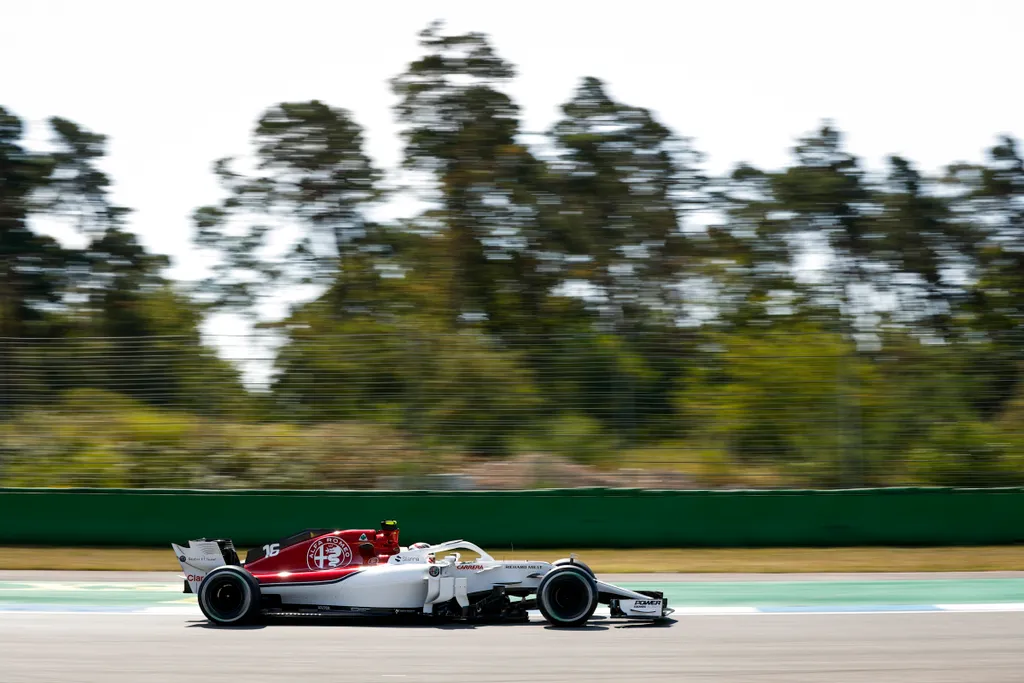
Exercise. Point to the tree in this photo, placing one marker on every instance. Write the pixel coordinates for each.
(108, 278)
(97, 305)
(37, 274)
(625, 181)
(748, 259)
(313, 177)
(77, 188)
(829, 211)
(995, 202)
(32, 266)
(989, 198)
(462, 131)
(921, 244)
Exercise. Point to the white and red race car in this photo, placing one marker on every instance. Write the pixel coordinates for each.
(365, 572)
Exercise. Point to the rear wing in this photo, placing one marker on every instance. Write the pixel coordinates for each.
(202, 556)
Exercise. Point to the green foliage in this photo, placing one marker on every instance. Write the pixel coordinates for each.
(965, 453)
(762, 398)
(467, 386)
(596, 297)
(94, 438)
(576, 436)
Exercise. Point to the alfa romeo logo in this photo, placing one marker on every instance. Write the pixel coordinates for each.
(328, 553)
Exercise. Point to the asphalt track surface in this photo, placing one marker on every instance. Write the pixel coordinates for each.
(881, 648)
(932, 647)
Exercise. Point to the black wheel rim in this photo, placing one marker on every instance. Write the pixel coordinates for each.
(226, 597)
(568, 597)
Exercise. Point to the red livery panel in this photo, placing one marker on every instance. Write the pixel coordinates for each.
(322, 556)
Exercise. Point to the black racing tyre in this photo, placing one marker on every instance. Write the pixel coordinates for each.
(567, 596)
(229, 596)
(575, 563)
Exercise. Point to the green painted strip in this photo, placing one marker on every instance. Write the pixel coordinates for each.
(694, 594)
(88, 593)
(812, 593)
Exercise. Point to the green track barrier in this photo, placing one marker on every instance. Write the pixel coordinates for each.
(596, 518)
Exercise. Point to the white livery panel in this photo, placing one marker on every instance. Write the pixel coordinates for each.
(385, 587)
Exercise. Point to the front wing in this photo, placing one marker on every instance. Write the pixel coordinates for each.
(624, 602)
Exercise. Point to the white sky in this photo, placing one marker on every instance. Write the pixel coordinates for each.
(177, 85)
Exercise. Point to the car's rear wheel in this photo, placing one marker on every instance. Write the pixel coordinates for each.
(567, 596)
(229, 596)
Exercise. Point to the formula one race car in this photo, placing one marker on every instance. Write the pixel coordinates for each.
(364, 572)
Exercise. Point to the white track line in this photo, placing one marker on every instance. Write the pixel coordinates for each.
(984, 607)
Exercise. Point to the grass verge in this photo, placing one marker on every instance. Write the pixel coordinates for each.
(696, 560)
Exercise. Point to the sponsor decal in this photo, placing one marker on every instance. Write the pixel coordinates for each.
(647, 603)
(181, 558)
(195, 577)
(435, 571)
(372, 560)
(362, 537)
(471, 566)
(330, 552)
(523, 566)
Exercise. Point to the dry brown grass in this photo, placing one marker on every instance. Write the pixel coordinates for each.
(725, 560)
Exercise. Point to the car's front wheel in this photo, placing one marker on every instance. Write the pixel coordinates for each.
(229, 596)
(567, 596)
